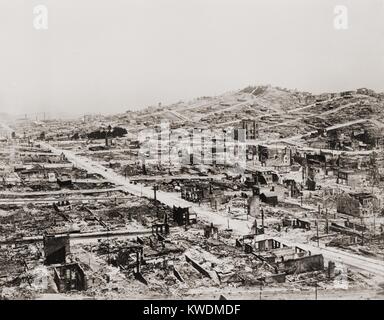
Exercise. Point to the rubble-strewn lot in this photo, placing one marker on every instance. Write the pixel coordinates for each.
(264, 193)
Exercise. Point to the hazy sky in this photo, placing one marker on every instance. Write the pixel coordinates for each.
(114, 55)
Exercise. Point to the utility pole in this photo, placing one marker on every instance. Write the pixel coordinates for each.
(155, 188)
(169, 149)
(317, 233)
(262, 218)
(109, 248)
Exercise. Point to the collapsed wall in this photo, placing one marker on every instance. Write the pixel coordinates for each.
(301, 265)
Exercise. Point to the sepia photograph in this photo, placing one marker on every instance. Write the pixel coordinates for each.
(191, 150)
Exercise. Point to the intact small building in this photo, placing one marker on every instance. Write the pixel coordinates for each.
(359, 205)
(198, 192)
(269, 197)
(64, 180)
(350, 178)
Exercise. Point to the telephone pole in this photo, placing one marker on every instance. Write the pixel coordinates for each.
(317, 233)
(155, 188)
